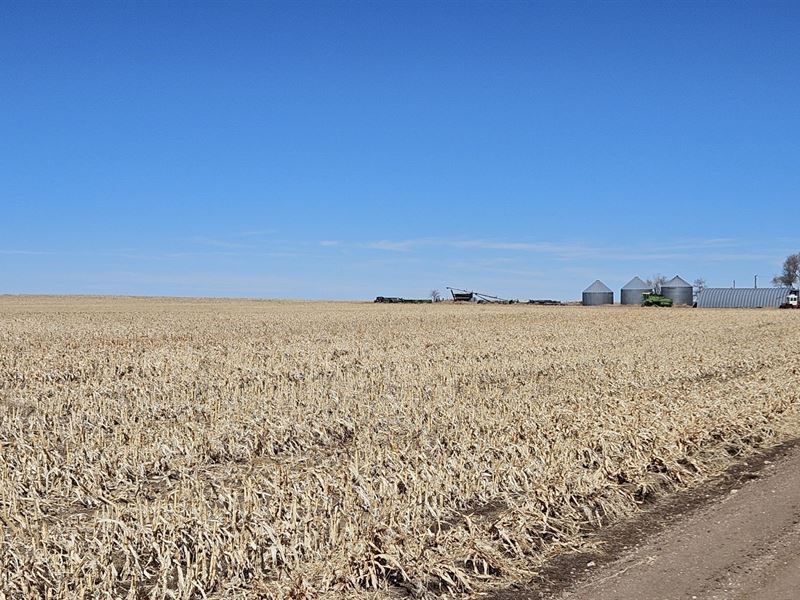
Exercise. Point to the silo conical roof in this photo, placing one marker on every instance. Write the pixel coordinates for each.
(597, 287)
(636, 284)
(676, 282)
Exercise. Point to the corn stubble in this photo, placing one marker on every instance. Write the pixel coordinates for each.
(210, 449)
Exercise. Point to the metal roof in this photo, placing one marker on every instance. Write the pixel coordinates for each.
(676, 282)
(636, 284)
(597, 287)
(741, 297)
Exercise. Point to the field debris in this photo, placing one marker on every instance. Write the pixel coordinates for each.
(157, 448)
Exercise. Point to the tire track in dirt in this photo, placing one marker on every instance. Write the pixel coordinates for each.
(737, 538)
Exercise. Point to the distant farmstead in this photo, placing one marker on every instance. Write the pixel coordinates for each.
(742, 297)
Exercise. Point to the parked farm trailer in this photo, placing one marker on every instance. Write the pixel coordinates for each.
(460, 295)
(396, 300)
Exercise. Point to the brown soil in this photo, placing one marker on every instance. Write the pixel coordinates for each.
(738, 537)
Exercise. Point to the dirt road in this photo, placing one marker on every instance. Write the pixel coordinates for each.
(743, 545)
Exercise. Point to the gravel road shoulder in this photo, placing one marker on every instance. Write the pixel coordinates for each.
(737, 537)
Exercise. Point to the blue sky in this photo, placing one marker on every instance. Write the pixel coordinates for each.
(350, 149)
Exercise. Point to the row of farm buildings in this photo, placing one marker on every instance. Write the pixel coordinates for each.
(682, 293)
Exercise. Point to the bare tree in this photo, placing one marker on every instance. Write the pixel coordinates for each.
(699, 285)
(791, 272)
(436, 296)
(656, 282)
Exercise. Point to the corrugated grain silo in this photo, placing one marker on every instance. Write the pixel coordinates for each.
(679, 290)
(598, 293)
(632, 292)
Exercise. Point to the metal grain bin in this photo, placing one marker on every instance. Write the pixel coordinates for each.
(632, 292)
(679, 290)
(598, 293)
(742, 297)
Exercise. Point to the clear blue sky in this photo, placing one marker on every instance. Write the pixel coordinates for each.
(350, 149)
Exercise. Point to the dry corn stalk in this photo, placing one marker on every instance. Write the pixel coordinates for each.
(207, 449)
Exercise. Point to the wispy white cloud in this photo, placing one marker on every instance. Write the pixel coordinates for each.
(254, 233)
(158, 256)
(402, 246)
(565, 249)
(27, 252)
(237, 240)
(216, 243)
(710, 249)
(713, 250)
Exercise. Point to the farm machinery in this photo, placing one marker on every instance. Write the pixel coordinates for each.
(655, 300)
(791, 300)
(396, 300)
(460, 295)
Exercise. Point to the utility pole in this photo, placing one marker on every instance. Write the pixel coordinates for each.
(755, 281)
(734, 284)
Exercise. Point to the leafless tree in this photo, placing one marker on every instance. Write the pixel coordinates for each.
(656, 282)
(699, 284)
(436, 296)
(791, 272)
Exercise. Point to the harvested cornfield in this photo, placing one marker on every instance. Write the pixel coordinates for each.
(159, 448)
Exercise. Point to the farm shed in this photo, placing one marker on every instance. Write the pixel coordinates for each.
(679, 290)
(598, 293)
(632, 292)
(742, 297)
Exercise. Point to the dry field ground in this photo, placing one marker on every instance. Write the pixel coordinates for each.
(155, 448)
